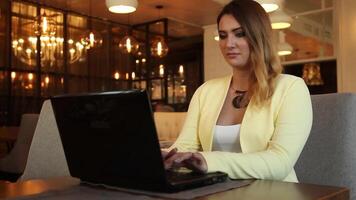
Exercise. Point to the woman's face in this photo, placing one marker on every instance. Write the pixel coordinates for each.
(233, 43)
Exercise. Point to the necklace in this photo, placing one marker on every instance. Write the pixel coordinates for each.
(238, 101)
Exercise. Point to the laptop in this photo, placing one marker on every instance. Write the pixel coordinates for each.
(110, 138)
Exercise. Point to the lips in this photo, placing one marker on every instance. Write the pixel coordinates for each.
(232, 55)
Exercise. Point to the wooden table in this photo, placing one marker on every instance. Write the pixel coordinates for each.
(8, 135)
(259, 189)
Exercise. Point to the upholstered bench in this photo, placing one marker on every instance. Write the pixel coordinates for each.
(329, 156)
(168, 125)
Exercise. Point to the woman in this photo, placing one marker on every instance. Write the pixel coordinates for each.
(254, 123)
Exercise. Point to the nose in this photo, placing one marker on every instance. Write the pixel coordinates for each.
(230, 41)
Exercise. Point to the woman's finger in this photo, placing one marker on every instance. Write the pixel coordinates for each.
(166, 155)
(176, 160)
(197, 163)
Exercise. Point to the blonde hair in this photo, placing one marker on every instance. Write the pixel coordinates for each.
(264, 59)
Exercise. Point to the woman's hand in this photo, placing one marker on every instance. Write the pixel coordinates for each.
(166, 155)
(194, 161)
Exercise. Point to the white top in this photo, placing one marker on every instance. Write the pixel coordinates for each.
(227, 138)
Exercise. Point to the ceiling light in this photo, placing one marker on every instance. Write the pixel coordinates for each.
(270, 5)
(284, 48)
(280, 20)
(159, 47)
(121, 6)
(216, 35)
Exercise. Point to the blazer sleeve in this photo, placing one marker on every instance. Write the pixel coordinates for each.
(292, 128)
(188, 140)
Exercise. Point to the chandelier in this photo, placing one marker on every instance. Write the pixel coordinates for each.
(51, 47)
(45, 25)
(312, 75)
(25, 49)
(91, 39)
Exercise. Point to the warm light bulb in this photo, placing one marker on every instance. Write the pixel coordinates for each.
(13, 75)
(44, 25)
(133, 75)
(91, 39)
(127, 75)
(128, 45)
(30, 76)
(117, 75)
(181, 70)
(159, 48)
(161, 70)
(47, 80)
(15, 43)
(28, 52)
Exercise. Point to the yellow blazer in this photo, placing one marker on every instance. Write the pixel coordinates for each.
(272, 137)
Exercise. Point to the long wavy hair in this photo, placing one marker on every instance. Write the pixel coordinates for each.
(264, 59)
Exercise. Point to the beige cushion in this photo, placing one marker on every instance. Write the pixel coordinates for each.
(169, 124)
(15, 161)
(46, 157)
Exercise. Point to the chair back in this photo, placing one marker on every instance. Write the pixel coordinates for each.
(329, 156)
(169, 124)
(15, 161)
(46, 157)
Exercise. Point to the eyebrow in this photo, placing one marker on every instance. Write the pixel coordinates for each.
(235, 29)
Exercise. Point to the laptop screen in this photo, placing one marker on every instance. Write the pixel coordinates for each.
(109, 137)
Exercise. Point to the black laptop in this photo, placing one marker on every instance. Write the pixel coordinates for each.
(110, 138)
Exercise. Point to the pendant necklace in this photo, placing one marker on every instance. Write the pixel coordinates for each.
(238, 101)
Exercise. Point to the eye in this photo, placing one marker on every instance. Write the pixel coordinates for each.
(222, 35)
(240, 33)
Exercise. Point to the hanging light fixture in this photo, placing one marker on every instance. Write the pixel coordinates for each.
(270, 5)
(312, 75)
(91, 38)
(129, 44)
(121, 6)
(280, 20)
(44, 25)
(159, 47)
(52, 47)
(284, 48)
